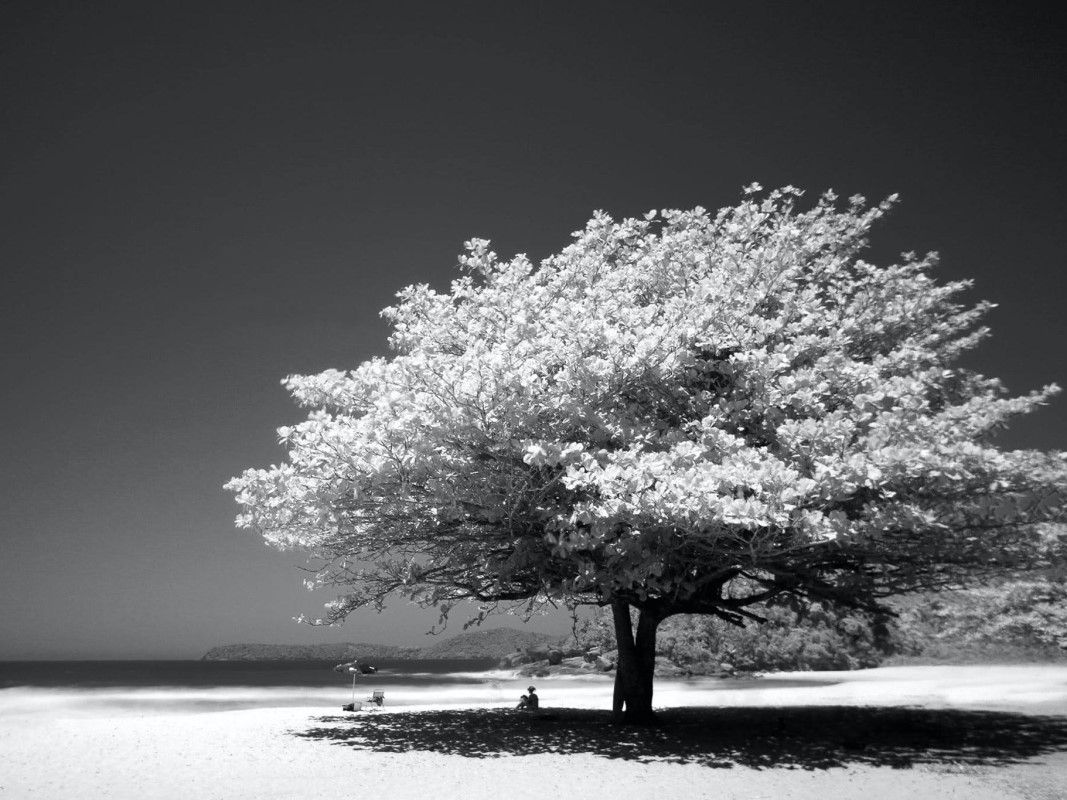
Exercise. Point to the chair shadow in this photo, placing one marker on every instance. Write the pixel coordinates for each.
(814, 737)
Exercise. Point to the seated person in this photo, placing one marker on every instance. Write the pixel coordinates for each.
(529, 700)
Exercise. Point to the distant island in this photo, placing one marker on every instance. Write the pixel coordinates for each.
(494, 643)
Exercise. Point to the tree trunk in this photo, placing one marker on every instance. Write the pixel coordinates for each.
(637, 663)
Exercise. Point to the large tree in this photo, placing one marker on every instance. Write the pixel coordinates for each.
(684, 413)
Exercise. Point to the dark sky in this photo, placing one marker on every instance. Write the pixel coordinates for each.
(198, 200)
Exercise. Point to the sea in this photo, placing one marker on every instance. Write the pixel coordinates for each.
(148, 687)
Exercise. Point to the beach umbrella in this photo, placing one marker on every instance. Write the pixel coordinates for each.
(351, 667)
(354, 668)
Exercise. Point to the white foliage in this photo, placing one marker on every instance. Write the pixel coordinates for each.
(665, 400)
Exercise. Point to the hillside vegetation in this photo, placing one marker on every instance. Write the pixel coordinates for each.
(487, 644)
(478, 644)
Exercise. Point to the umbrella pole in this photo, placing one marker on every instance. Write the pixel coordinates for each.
(353, 687)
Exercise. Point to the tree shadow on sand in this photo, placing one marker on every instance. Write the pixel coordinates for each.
(815, 737)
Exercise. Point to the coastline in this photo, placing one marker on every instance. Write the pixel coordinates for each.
(440, 749)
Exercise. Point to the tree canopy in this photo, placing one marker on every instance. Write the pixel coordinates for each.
(684, 413)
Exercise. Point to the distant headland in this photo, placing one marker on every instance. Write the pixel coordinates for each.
(494, 643)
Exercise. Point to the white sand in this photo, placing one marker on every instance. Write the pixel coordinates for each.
(65, 751)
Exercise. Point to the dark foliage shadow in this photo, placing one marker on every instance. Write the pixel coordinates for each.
(815, 737)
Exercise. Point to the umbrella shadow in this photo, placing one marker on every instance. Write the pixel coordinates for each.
(815, 737)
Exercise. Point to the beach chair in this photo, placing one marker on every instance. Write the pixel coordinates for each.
(378, 698)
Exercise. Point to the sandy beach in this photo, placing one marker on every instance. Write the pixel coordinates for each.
(918, 732)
